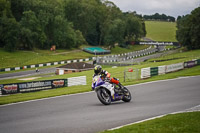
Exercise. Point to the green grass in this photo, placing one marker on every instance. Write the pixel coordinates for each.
(176, 123)
(161, 31)
(22, 58)
(178, 57)
(115, 72)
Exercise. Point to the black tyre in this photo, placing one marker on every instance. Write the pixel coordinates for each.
(127, 95)
(104, 96)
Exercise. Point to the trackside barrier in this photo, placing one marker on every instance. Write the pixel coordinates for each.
(77, 81)
(145, 73)
(42, 65)
(161, 70)
(152, 71)
(174, 67)
(190, 64)
(41, 85)
(198, 62)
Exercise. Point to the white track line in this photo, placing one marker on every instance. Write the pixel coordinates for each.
(152, 118)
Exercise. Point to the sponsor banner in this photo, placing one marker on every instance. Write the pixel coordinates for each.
(9, 88)
(33, 86)
(59, 83)
(190, 64)
(41, 85)
(174, 67)
(158, 43)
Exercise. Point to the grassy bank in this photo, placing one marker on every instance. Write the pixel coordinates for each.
(161, 31)
(176, 123)
(22, 58)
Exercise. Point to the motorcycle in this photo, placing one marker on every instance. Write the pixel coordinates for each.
(108, 91)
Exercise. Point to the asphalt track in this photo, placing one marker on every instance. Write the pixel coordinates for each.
(83, 113)
(26, 73)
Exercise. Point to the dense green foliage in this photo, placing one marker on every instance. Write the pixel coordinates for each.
(188, 33)
(159, 17)
(29, 24)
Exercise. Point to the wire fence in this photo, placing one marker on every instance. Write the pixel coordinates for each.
(129, 74)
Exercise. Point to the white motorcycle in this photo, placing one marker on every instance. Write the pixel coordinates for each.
(108, 91)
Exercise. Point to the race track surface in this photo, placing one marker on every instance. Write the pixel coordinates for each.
(83, 113)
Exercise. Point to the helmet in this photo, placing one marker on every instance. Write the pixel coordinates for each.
(97, 69)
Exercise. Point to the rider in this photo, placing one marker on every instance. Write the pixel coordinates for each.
(103, 73)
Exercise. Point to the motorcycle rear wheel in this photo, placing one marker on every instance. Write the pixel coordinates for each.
(104, 96)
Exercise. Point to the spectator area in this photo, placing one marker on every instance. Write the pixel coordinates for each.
(96, 50)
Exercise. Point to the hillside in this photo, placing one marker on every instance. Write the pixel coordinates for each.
(161, 31)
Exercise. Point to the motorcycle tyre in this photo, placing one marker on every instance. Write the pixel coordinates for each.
(125, 99)
(101, 99)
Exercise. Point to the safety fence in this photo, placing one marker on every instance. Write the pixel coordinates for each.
(131, 74)
(45, 64)
(126, 56)
(153, 71)
(41, 85)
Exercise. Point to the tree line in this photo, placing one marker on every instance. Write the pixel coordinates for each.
(29, 24)
(160, 17)
(188, 30)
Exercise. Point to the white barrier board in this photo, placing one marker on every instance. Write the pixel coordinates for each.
(77, 81)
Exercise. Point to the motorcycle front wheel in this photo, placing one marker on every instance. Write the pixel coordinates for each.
(127, 95)
(103, 96)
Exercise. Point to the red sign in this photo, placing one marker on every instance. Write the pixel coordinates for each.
(130, 70)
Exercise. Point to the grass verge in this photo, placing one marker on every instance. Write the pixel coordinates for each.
(176, 123)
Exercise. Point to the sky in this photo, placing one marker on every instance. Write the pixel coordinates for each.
(149, 7)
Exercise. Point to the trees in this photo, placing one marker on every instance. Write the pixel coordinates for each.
(30, 24)
(8, 27)
(158, 16)
(188, 30)
(115, 33)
